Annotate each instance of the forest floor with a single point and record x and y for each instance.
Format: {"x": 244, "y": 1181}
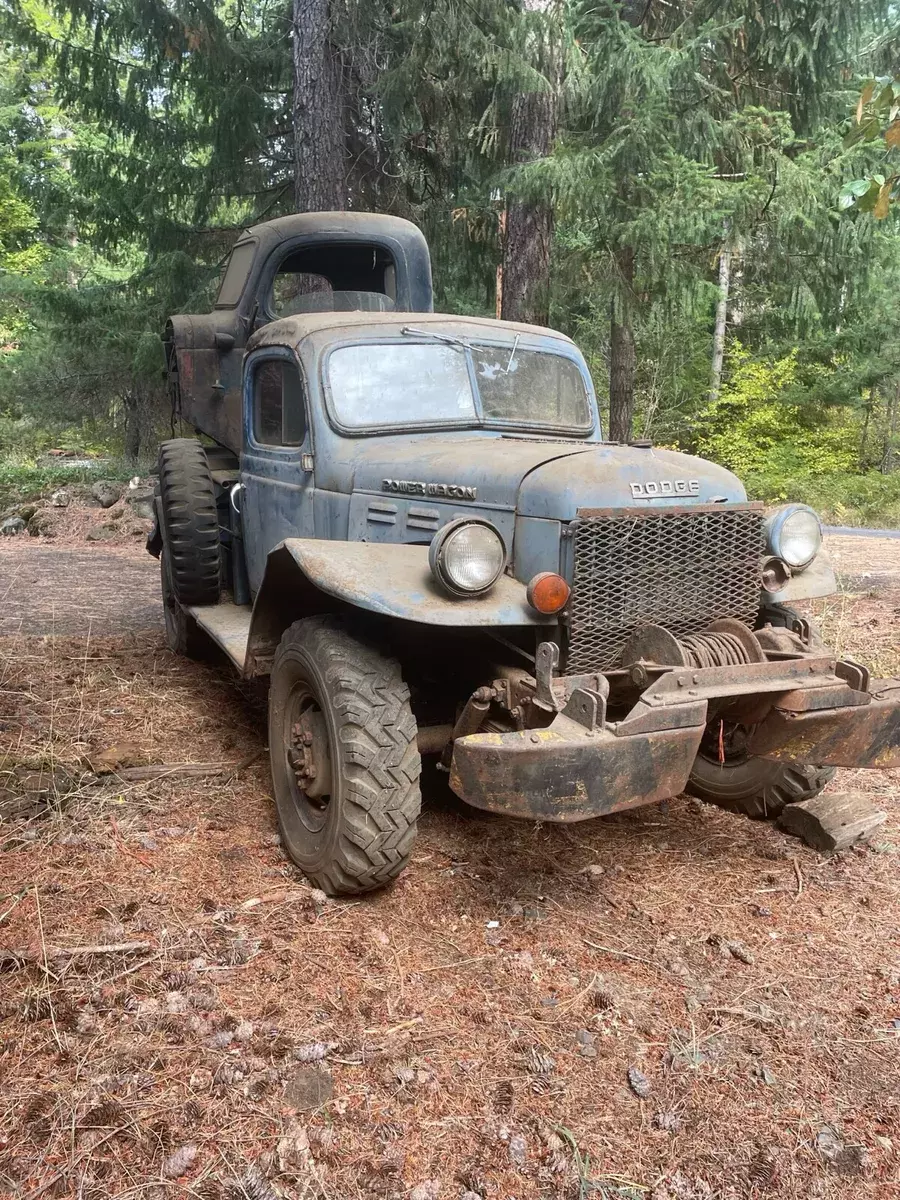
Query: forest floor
{"x": 671, "y": 1003}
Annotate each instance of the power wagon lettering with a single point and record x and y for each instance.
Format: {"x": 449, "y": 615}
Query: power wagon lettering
{"x": 655, "y": 490}
{"x": 415, "y": 487}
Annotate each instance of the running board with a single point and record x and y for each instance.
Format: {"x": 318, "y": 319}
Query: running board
{"x": 228, "y": 625}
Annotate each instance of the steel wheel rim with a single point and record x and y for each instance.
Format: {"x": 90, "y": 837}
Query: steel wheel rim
{"x": 301, "y": 709}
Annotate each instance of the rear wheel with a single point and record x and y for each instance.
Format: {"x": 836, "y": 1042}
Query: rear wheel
{"x": 190, "y": 522}
{"x": 724, "y": 773}
{"x": 345, "y": 763}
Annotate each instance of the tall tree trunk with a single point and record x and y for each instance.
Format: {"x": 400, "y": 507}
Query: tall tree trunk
{"x": 525, "y": 272}
{"x": 621, "y": 353}
{"x": 131, "y": 402}
{"x": 718, "y": 353}
{"x": 318, "y": 111}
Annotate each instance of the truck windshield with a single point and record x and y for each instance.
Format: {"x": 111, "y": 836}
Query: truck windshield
{"x": 390, "y": 385}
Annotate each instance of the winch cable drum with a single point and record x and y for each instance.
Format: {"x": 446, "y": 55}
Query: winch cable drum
{"x": 725, "y": 643}
{"x": 715, "y": 650}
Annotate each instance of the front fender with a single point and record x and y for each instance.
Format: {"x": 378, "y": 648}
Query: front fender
{"x": 396, "y": 581}
{"x": 817, "y": 580}
{"x": 304, "y": 576}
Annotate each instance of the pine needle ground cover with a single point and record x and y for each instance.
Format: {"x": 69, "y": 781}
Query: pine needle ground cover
{"x": 668, "y": 1003}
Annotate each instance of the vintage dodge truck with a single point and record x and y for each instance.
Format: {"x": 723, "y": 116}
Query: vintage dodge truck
{"x": 412, "y": 524}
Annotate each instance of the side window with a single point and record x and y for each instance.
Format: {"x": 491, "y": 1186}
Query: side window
{"x": 235, "y": 275}
{"x": 279, "y": 413}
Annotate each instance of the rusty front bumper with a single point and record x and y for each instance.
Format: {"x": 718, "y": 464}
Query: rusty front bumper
{"x": 580, "y": 766}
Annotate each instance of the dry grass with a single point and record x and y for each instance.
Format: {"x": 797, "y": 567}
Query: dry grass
{"x": 476, "y": 1023}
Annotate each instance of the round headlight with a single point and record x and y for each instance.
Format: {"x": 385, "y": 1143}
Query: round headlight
{"x": 795, "y": 534}
{"x": 467, "y": 557}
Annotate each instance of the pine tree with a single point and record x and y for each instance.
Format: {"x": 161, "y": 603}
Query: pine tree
{"x": 680, "y": 108}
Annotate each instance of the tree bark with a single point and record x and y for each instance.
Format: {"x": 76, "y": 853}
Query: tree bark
{"x": 318, "y": 111}
{"x": 621, "y": 354}
{"x": 718, "y": 353}
{"x": 525, "y": 271}
{"x": 131, "y": 402}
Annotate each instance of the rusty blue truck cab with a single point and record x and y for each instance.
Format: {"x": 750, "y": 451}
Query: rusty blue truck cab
{"x": 425, "y": 542}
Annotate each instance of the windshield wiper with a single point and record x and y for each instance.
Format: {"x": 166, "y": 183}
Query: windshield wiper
{"x": 412, "y": 331}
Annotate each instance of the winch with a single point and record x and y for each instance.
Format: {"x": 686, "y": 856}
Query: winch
{"x": 724, "y": 643}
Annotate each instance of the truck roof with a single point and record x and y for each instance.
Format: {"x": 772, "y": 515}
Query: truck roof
{"x": 292, "y": 330}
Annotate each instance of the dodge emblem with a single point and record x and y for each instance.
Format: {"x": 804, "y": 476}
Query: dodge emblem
{"x": 655, "y": 489}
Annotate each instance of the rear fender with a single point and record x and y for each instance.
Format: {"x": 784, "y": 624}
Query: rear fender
{"x": 304, "y": 576}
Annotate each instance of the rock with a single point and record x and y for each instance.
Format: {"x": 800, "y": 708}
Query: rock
{"x": 61, "y": 499}
{"x": 831, "y": 1148}
{"x": 430, "y": 1189}
{"x": 107, "y": 493}
{"x": 35, "y": 792}
{"x": 638, "y": 1083}
{"x": 114, "y": 758}
{"x": 40, "y": 525}
{"x": 180, "y": 1162}
{"x": 518, "y": 1149}
{"x": 12, "y": 526}
{"x": 585, "y": 1040}
{"x": 140, "y": 501}
{"x": 832, "y": 821}
{"x": 308, "y": 1087}
{"x": 101, "y": 533}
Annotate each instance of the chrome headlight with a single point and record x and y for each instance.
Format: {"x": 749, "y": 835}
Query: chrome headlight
{"x": 467, "y": 557}
{"x": 794, "y": 533}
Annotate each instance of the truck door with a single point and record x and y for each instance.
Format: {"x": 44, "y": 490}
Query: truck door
{"x": 276, "y": 498}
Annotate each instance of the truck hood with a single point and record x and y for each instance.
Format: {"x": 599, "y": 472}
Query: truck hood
{"x": 541, "y": 478}
{"x": 611, "y": 476}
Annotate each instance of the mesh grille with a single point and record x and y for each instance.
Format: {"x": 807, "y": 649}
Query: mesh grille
{"x": 678, "y": 568}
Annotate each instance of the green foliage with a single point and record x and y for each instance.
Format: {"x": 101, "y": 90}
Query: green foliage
{"x": 755, "y": 427}
{"x": 866, "y": 500}
{"x": 22, "y": 481}
{"x": 137, "y": 137}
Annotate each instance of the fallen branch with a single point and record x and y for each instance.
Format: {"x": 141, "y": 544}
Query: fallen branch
{"x": 164, "y": 770}
{"x": 14, "y": 960}
{"x": 624, "y": 954}
{"x": 109, "y": 948}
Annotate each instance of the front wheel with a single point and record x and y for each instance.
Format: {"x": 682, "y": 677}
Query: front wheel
{"x": 345, "y": 762}
{"x": 726, "y": 775}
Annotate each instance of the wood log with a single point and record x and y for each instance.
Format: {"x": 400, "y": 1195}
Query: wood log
{"x": 833, "y": 821}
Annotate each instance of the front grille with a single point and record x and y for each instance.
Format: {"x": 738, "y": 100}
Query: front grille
{"x": 677, "y": 567}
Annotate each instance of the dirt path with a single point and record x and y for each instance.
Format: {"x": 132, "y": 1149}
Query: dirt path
{"x": 672, "y": 1003}
{"x": 76, "y": 590}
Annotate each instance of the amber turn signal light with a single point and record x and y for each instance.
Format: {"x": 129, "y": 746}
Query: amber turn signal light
{"x": 548, "y": 592}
